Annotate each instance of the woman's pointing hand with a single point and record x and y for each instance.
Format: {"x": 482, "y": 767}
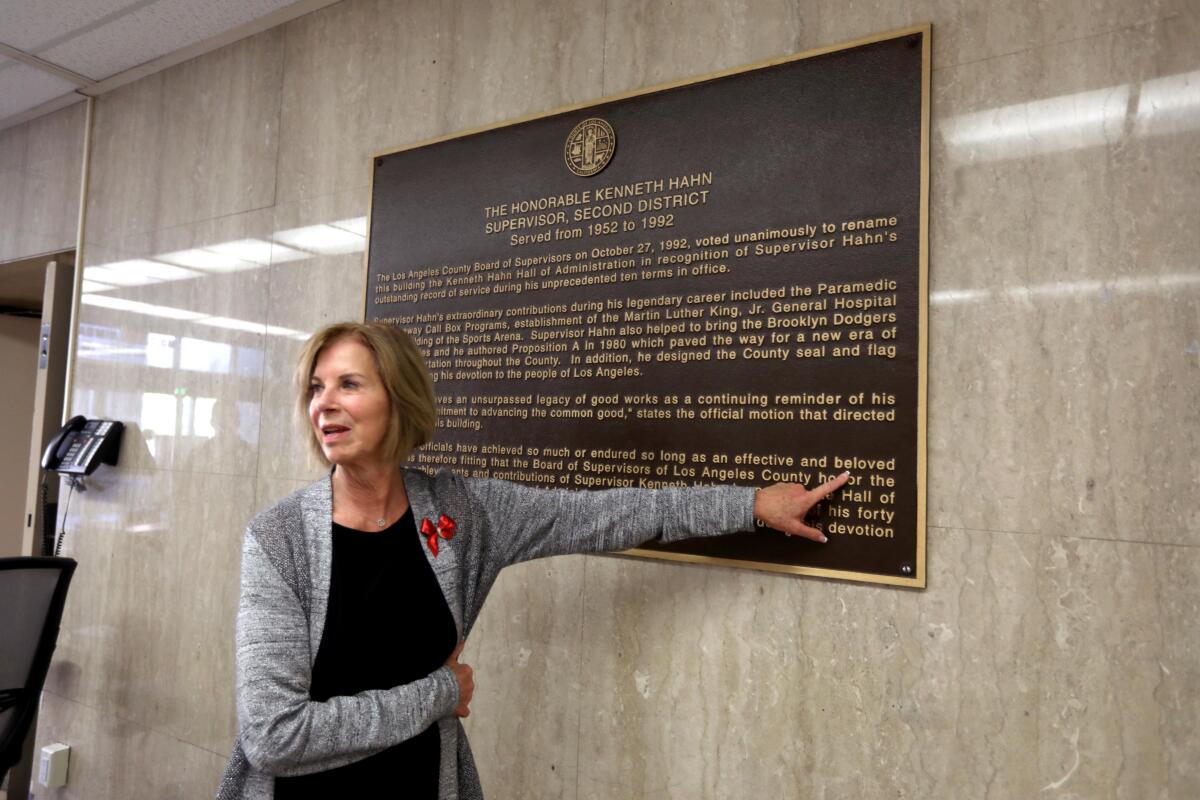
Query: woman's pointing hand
{"x": 783, "y": 506}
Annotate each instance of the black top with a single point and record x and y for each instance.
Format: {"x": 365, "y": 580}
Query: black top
{"x": 387, "y": 624}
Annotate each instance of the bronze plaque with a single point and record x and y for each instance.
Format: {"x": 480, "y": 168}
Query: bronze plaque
{"x": 716, "y": 281}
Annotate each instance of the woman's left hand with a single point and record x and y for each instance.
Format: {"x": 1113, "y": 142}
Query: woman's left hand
{"x": 783, "y": 506}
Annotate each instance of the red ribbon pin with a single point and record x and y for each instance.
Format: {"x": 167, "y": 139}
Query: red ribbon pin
{"x": 445, "y": 528}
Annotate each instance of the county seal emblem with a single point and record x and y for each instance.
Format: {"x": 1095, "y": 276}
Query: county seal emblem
{"x": 590, "y": 147}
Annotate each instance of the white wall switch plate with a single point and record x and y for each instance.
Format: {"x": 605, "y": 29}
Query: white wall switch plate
{"x": 53, "y": 771}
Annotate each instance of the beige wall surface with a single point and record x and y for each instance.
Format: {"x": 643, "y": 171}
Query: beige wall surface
{"x": 40, "y": 166}
{"x": 1055, "y": 652}
{"x": 18, "y": 365}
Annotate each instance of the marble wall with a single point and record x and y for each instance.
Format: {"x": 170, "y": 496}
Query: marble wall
{"x": 1055, "y": 652}
{"x": 41, "y": 163}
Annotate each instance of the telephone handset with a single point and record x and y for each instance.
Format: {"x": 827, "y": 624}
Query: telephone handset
{"x": 82, "y": 445}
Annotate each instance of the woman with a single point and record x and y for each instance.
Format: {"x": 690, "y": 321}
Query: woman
{"x": 350, "y": 626}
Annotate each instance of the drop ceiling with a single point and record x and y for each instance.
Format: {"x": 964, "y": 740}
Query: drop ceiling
{"x": 57, "y": 52}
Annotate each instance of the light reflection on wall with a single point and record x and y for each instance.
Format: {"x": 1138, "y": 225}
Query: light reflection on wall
{"x": 248, "y": 421}
{"x": 239, "y": 255}
{"x": 157, "y": 418}
{"x": 136, "y": 272}
{"x": 250, "y": 361}
{"x": 176, "y": 416}
{"x": 89, "y": 349}
{"x": 107, "y": 343}
{"x": 335, "y": 238}
{"x": 1069, "y": 122}
{"x": 1166, "y": 105}
{"x": 197, "y": 417}
{"x": 205, "y": 356}
{"x": 1170, "y": 104}
{"x": 222, "y": 258}
{"x": 160, "y": 350}
{"x": 138, "y": 307}
{"x": 1078, "y": 290}
{"x": 166, "y": 351}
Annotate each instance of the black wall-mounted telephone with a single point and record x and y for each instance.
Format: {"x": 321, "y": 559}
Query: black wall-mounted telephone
{"x": 82, "y": 445}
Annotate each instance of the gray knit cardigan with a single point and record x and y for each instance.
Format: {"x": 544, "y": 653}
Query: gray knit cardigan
{"x": 286, "y": 560}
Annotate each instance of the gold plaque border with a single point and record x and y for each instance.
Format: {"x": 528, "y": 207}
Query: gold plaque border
{"x": 918, "y": 581}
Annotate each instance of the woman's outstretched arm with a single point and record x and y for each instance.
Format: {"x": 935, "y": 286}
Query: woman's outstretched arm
{"x": 528, "y": 523}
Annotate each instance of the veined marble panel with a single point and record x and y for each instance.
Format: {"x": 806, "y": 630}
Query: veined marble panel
{"x": 194, "y": 142}
{"x": 525, "y": 717}
{"x": 1118, "y": 674}
{"x": 284, "y": 454}
{"x": 988, "y": 465}
{"x": 42, "y": 214}
{"x": 113, "y": 757}
{"x": 58, "y": 134}
{"x": 1065, "y": 302}
{"x": 14, "y": 146}
{"x": 41, "y": 165}
{"x": 270, "y": 491}
{"x": 709, "y": 683}
{"x": 223, "y": 713}
{"x": 975, "y": 31}
{"x": 1122, "y": 453}
{"x": 651, "y": 43}
{"x": 53, "y": 136}
{"x": 172, "y": 341}
{"x": 317, "y": 277}
{"x": 13, "y": 181}
{"x": 367, "y": 76}
{"x": 1056, "y": 164}
{"x": 147, "y": 633}
{"x": 1173, "y": 571}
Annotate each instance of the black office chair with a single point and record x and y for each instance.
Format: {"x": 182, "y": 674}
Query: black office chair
{"x": 33, "y": 591}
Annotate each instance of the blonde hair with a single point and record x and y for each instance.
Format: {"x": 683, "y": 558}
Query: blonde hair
{"x": 413, "y": 410}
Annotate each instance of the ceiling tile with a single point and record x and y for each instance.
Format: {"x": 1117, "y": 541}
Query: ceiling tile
{"x": 153, "y": 30}
{"x": 32, "y": 25}
{"x": 22, "y": 87}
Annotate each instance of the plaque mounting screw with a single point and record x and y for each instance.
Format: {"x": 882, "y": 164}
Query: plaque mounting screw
{"x": 906, "y": 569}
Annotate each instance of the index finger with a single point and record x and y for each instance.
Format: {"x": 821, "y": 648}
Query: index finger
{"x": 457, "y": 650}
{"x": 829, "y": 487}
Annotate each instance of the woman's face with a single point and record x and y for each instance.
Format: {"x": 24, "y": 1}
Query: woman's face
{"x": 348, "y": 405}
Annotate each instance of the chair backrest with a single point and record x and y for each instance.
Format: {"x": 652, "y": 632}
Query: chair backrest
{"x": 33, "y": 590}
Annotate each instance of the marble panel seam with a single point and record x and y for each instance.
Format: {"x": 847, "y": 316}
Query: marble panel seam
{"x": 302, "y": 198}
{"x": 262, "y": 393}
{"x": 582, "y": 644}
{"x": 603, "y": 91}
{"x": 1083, "y": 537}
{"x": 108, "y": 714}
{"x": 283, "y": 52}
{"x": 157, "y": 470}
{"x": 953, "y": 528}
{"x": 1059, "y": 43}
{"x": 262, "y": 374}
{"x": 127, "y": 235}
{"x": 5, "y": 259}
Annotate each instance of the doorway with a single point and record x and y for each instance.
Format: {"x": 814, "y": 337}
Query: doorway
{"x": 35, "y": 312}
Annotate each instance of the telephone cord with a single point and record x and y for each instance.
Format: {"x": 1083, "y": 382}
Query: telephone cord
{"x": 47, "y": 539}
{"x": 62, "y": 533}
